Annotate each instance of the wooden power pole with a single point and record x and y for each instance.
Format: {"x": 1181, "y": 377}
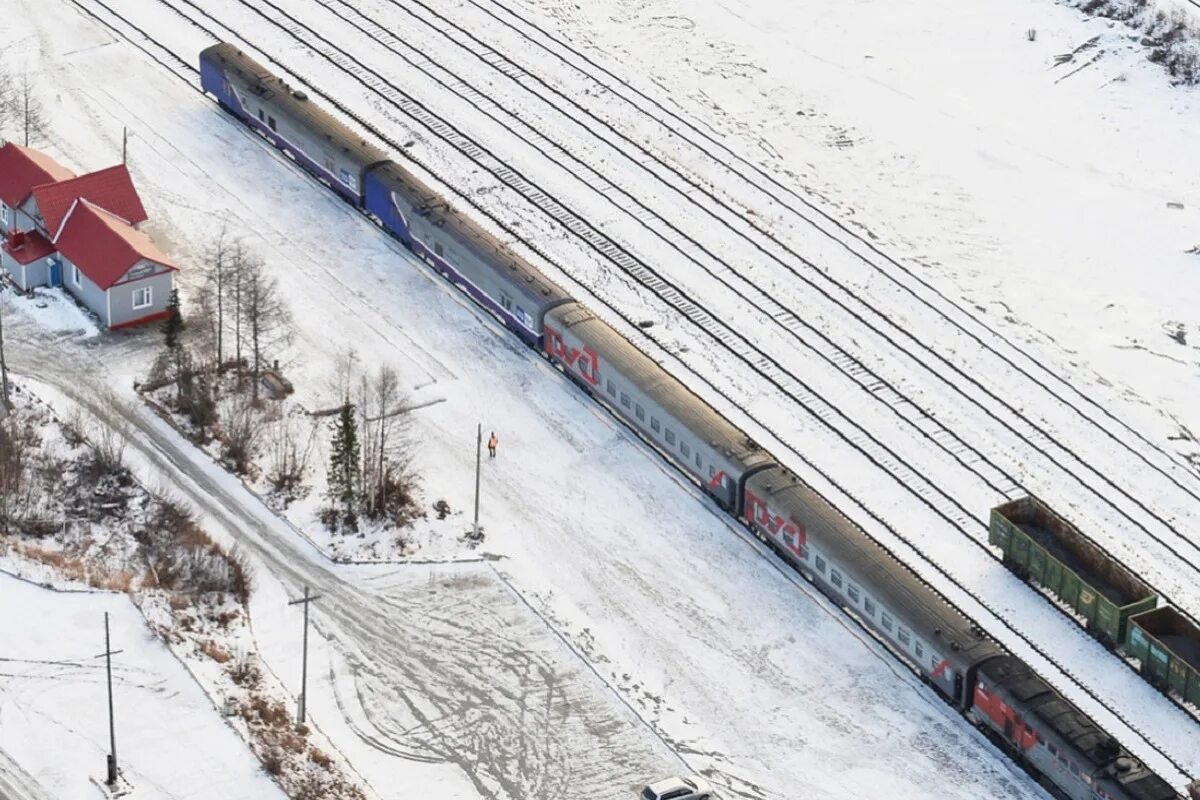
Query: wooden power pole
{"x": 112, "y": 730}
{"x": 308, "y": 598}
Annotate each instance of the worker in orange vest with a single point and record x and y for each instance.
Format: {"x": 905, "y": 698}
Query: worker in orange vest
{"x": 492, "y": 442}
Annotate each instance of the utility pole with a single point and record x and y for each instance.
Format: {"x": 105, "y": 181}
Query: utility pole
{"x": 4, "y": 372}
{"x": 112, "y": 731}
{"x": 308, "y": 598}
{"x": 478, "y": 467}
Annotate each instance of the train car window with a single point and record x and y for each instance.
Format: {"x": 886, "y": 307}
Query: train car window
{"x": 1074, "y": 768}
{"x": 654, "y": 426}
{"x": 670, "y": 436}
{"x": 712, "y": 472}
{"x": 700, "y": 464}
{"x": 437, "y": 248}
{"x": 505, "y": 301}
{"x": 329, "y": 163}
{"x": 902, "y": 635}
{"x": 820, "y": 565}
{"x": 1053, "y": 750}
{"x": 852, "y": 592}
{"x": 835, "y": 578}
{"x": 641, "y": 412}
{"x": 624, "y": 399}
{"x": 868, "y": 606}
{"x": 261, "y": 118}
{"x": 612, "y": 389}
{"x": 918, "y": 650}
{"x": 1062, "y": 759}
{"x": 886, "y": 620}
{"x": 687, "y": 451}
{"x": 271, "y": 122}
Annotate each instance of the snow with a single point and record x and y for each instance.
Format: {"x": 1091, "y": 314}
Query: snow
{"x": 1037, "y": 201}
{"x": 54, "y": 713}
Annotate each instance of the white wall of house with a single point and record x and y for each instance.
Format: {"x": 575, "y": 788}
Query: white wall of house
{"x": 29, "y": 218}
{"x": 86, "y": 292}
{"x": 143, "y": 291}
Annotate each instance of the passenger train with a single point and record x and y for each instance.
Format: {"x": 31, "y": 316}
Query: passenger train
{"x": 1054, "y": 740}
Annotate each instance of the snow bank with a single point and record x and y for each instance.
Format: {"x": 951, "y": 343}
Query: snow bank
{"x": 1169, "y": 28}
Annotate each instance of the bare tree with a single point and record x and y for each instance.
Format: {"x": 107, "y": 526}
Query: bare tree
{"x": 15, "y": 457}
{"x": 27, "y": 108}
{"x": 384, "y": 421}
{"x": 267, "y": 320}
{"x": 290, "y": 449}
{"x": 240, "y": 432}
{"x": 213, "y": 298}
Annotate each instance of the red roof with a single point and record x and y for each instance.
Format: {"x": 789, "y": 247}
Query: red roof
{"x": 21, "y": 169}
{"x": 25, "y": 248}
{"x": 111, "y": 189}
{"x": 102, "y": 245}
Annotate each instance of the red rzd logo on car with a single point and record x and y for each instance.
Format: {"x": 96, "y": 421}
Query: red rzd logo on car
{"x": 790, "y": 534}
{"x": 585, "y": 361}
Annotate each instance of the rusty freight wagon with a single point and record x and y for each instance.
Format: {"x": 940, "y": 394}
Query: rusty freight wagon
{"x": 1044, "y": 548}
{"x": 1168, "y": 645}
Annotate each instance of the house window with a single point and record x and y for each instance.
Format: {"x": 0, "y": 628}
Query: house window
{"x": 641, "y": 412}
{"x": 670, "y": 436}
{"x": 654, "y": 426}
{"x": 141, "y": 297}
{"x": 75, "y": 276}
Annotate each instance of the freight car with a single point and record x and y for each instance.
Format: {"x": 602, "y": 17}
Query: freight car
{"x": 1113, "y": 603}
{"x": 1022, "y": 714}
{"x": 1040, "y": 546}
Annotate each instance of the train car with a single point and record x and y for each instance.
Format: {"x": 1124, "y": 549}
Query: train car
{"x": 283, "y": 116}
{"x": 459, "y": 249}
{"x": 999, "y": 692}
{"x": 1071, "y": 753}
{"x": 942, "y": 645}
{"x": 717, "y": 455}
{"x": 1168, "y": 645}
{"x": 1044, "y": 548}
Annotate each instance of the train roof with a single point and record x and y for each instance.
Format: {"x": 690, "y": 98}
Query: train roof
{"x": 442, "y": 214}
{"x": 891, "y": 583}
{"x": 1107, "y": 758}
{"x": 659, "y": 387}
{"x": 272, "y": 89}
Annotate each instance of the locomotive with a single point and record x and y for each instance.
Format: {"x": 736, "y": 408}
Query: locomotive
{"x": 1054, "y": 740}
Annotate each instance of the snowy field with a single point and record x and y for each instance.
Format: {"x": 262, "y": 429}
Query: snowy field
{"x": 1038, "y": 203}
{"x": 54, "y": 713}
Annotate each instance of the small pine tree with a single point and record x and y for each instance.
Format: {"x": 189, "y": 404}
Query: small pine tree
{"x": 344, "y": 478}
{"x": 173, "y": 324}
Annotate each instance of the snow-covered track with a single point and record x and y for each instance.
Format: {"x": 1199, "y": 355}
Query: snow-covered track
{"x": 958, "y": 592}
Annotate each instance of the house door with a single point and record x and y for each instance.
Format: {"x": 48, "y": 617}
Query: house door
{"x": 55, "y": 273}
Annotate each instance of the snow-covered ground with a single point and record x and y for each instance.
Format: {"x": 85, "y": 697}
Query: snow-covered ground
{"x": 915, "y": 125}
{"x": 576, "y": 662}
{"x": 54, "y": 711}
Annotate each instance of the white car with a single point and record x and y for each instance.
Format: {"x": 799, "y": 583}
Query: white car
{"x": 678, "y": 789}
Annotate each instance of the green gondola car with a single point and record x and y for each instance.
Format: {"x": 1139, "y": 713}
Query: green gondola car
{"x": 1168, "y": 645}
{"x": 1045, "y": 549}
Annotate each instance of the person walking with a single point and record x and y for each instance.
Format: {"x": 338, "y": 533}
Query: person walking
{"x": 492, "y": 442}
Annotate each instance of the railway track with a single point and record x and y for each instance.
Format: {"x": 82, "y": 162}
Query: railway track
{"x": 939, "y": 435}
{"x": 901, "y": 405}
{"x": 582, "y": 229}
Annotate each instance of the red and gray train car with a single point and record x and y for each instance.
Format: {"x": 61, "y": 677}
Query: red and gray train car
{"x": 1056, "y": 741}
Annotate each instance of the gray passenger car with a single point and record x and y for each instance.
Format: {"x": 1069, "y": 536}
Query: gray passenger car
{"x": 914, "y": 620}
{"x": 663, "y": 410}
